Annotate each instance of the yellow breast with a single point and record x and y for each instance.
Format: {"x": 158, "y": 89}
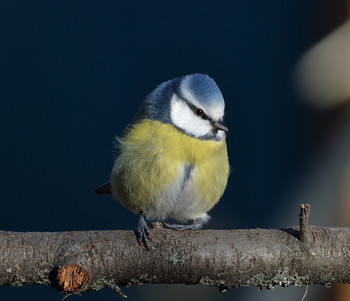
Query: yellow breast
{"x": 151, "y": 155}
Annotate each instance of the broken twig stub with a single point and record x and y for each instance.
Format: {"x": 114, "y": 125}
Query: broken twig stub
{"x": 305, "y": 233}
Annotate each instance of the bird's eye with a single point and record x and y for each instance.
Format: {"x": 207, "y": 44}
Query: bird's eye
{"x": 199, "y": 112}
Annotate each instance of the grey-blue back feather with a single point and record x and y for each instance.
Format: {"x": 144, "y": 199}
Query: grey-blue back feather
{"x": 156, "y": 105}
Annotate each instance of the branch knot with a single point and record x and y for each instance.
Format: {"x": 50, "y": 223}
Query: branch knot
{"x": 72, "y": 277}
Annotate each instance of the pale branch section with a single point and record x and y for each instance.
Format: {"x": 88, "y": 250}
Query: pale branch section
{"x": 91, "y": 260}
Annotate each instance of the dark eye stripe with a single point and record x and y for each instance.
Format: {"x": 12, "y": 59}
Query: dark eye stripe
{"x": 199, "y": 112}
{"x": 194, "y": 108}
{"x": 204, "y": 116}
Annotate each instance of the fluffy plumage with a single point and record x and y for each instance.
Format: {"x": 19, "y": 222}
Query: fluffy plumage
{"x": 167, "y": 174}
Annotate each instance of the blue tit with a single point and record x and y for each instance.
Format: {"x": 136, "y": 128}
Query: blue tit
{"x": 172, "y": 160}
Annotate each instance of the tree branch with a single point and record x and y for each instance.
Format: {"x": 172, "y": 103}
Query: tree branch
{"x": 90, "y": 260}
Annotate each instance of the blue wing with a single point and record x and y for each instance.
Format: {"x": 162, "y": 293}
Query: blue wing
{"x": 104, "y": 189}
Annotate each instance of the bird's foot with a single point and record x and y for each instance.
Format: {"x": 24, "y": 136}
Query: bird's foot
{"x": 194, "y": 226}
{"x": 143, "y": 232}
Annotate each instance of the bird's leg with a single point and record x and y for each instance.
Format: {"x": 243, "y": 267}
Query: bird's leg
{"x": 142, "y": 232}
{"x": 196, "y": 225}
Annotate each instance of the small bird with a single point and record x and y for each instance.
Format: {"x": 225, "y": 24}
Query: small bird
{"x": 172, "y": 161}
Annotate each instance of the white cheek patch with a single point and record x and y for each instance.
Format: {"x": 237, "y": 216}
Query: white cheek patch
{"x": 184, "y": 118}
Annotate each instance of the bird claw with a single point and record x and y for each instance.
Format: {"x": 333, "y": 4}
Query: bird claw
{"x": 143, "y": 233}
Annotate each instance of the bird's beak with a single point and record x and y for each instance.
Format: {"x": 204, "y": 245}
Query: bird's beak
{"x": 221, "y": 125}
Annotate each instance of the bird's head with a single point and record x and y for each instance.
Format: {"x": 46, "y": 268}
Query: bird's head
{"x": 192, "y": 103}
{"x": 197, "y": 107}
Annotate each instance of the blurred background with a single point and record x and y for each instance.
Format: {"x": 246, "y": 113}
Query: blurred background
{"x": 73, "y": 73}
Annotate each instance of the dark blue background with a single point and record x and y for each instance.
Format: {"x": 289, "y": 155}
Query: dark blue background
{"x": 74, "y": 72}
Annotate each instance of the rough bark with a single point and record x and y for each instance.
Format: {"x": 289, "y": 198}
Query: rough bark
{"x": 90, "y": 260}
